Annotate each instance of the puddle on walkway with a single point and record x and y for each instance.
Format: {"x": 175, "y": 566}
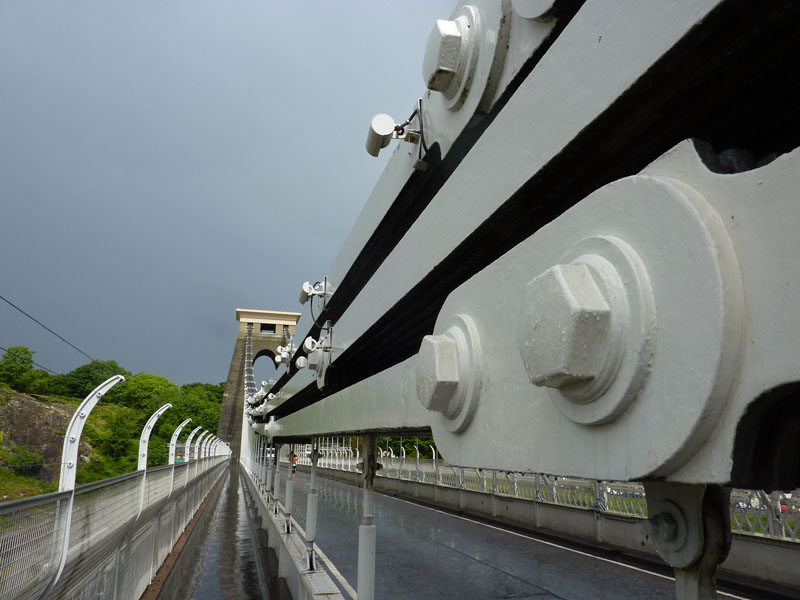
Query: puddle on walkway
{"x": 226, "y": 567}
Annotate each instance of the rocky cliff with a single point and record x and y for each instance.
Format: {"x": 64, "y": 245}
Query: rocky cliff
{"x": 38, "y": 425}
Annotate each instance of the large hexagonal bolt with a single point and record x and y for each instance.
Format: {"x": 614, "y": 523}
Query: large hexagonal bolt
{"x": 444, "y": 60}
{"x": 566, "y": 327}
{"x": 437, "y": 372}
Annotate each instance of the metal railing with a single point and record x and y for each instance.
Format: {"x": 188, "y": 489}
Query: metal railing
{"x": 114, "y": 548}
{"x": 753, "y": 512}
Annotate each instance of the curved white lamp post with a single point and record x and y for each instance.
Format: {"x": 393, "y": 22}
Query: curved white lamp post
{"x": 69, "y": 464}
{"x": 145, "y": 437}
{"x": 173, "y": 442}
{"x": 188, "y": 445}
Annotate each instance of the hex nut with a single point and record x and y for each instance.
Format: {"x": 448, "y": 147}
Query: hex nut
{"x": 661, "y": 527}
{"x": 565, "y": 334}
{"x": 442, "y": 56}
{"x": 437, "y": 372}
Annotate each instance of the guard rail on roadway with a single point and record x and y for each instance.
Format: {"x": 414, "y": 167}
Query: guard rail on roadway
{"x": 766, "y": 536}
{"x": 754, "y": 512}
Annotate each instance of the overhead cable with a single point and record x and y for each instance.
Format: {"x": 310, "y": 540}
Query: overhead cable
{"x": 35, "y": 363}
{"x": 47, "y": 328}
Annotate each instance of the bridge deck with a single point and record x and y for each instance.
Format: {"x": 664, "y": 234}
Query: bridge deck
{"x": 426, "y": 553}
{"x": 221, "y": 560}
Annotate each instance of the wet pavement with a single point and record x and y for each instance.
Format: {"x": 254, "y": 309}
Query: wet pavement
{"x": 424, "y": 553}
{"x": 225, "y": 566}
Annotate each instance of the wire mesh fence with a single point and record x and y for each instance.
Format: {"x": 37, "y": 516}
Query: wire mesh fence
{"x": 31, "y": 535}
{"x": 120, "y": 532}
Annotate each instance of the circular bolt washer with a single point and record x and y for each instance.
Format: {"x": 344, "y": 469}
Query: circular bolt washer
{"x": 680, "y": 541}
{"x": 591, "y": 334}
{"x": 449, "y": 373}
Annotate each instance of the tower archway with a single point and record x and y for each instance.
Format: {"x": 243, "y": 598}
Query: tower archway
{"x": 264, "y": 366}
{"x": 269, "y": 329}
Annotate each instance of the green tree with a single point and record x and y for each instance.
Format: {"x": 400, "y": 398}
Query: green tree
{"x": 79, "y": 382}
{"x": 15, "y": 364}
{"x": 148, "y": 392}
{"x": 208, "y": 391}
{"x": 34, "y": 381}
{"x": 121, "y": 440}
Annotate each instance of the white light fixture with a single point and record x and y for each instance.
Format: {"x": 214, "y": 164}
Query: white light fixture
{"x": 383, "y": 129}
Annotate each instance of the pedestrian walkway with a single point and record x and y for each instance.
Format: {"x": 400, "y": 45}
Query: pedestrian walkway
{"x": 226, "y": 566}
{"x": 424, "y": 553}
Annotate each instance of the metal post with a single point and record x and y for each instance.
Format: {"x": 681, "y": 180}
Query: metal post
{"x": 436, "y": 479}
{"x": 197, "y": 493}
{"x": 366, "y": 531}
{"x": 207, "y": 445}
{"x": 203, "y": 447}
{"x": 69, "y": 465}
{"x": 277, "y": 480}
{"x": 698, "y": 517}
{"x": 416, "y": 474}
{"x": 773, "y": 522}
{"x": 187, "y": 451}
{"x": 600, "y": 496}
{"x": 264, "y": 464}
{"x": 288, "y": 505}
{"x": 173, "y": 442}
{"x": 197, "y": 451}
{"x": 311, "y": 509}
{"x": 211, "y": 446}
{"x": 145, "y": 437}
{"x": 142, "y": 466}
{"x": 269, "y": 472}
{"x": 256, "y": 461}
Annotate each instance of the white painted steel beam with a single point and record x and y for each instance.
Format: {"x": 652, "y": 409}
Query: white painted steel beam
{"x": 575, "y": 82}
{"x": 720, "y": 332}
{"x": 669, "y": 263}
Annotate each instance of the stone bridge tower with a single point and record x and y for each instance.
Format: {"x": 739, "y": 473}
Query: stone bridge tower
{"x": 270, "y": 330}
